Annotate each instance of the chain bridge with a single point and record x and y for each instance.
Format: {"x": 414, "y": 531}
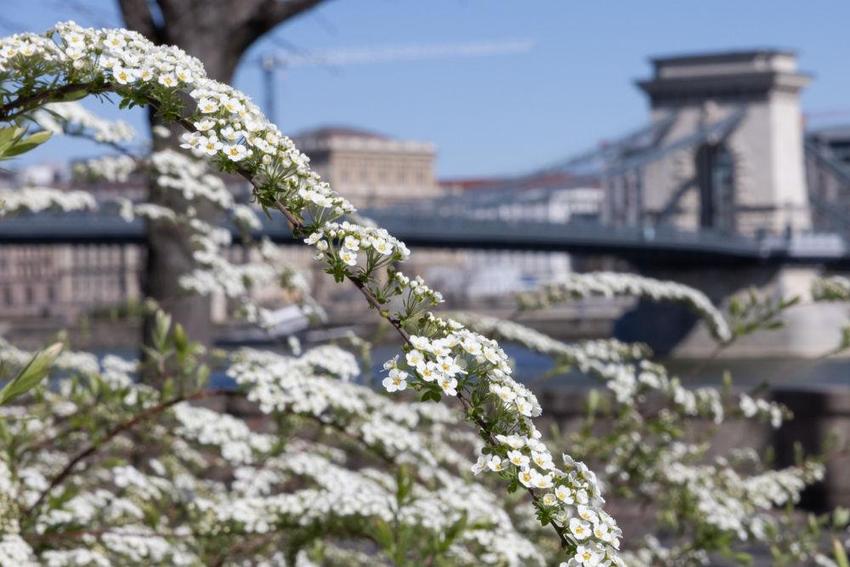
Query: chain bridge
{"x": 722, "y": 189}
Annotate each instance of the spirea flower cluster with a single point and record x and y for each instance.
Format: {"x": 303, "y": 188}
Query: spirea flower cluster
{"x": 441, "y": 358}
{"x": 38, "y": 199}
{"x": 229, "y": 129}
{"x": 643, "y": 451}
{"x": 831, "y": 288}
{"x": 611, "y": 284}
{"x": 455, "y": 358}
{"x": 71, "y": 118}
{"x": 350, "y": 243}
{"x": 176, "y": 507}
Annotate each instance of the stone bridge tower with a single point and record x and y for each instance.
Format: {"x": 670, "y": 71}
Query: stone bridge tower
{"x": 726, "y": 154}
{"x": 734, "y": 159}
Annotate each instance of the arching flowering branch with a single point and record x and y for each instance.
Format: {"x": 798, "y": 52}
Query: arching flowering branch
{"x": 645, "y": 444}
{"x": 216, "y": 484}
{"x": 191, "y": 186}
{"x": 627, "y": 370}
{"x": 611, "y": 284}
{"x": 37, "y": 199}
{"x": 72, "y": 119}
{"x": 441, "y": 356}
{"x": 831, "y": 288}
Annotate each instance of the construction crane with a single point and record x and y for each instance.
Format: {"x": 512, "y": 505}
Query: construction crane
{"x": 272, "y": 62}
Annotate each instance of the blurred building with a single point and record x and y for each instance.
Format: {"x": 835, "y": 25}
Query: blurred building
{"x": 556, "y": 198}
{"x": 371, "y": 169}
{"x": 42, "y": 174}
{"x": 63, "y": 282}
{"x": 482, "y": 276}
{"x": 725, "y": 148}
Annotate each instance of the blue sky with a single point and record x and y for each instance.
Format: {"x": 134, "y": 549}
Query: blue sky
{"x": 512, "y": 112}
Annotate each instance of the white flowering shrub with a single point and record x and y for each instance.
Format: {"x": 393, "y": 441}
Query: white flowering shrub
{"x": 192, "y": 187}
{"x": 100, "y": 468}
{"x": 609, "y": 284}
{"x": 832, "y": 288}
{"x": 36, "y": 199}
{"x": 651, "y": 438}
{"x": 335, "y": 463}
{"x": 441, "y": 357}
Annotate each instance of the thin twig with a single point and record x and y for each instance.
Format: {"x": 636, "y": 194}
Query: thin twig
{"x": 297, "y": 226}
{"x": 40, "y": 98}
{"x": 95, "y": 446}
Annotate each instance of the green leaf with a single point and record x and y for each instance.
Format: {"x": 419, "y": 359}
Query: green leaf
{"x": 453, "y": 532}
{"x": 404, "y": 485}
{"x": 202, "y": 375}
{"x": 26, "y": 144}
{"x": 168, "y": 389}
{"x": 32, "y": 374}
{"x": 181, "y": 341}
{"x": 74, "y": 95}
{"x": 7, "y": 137}
{"x": 431, "y": 395}
{"x": 593, "y": 399}
{"x": 383, "y": 534}
{"x": 735, "y": 307}
{"x": 840, "y": 517}
{"x": 162, "y": 323}
{"x": 840, "y": 553}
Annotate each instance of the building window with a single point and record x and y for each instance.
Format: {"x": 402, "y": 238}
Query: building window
{"x": 716, "y": 180}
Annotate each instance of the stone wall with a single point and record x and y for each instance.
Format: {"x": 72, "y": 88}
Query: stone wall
{"x": 821, "y": 425}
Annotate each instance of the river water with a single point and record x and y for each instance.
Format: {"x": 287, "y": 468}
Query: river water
{"x": 533, "y": 368}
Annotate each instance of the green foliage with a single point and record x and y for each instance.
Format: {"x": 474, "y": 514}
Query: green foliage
{"x": 14, "y": 141}
{"x": 172, "y": 356}
{"x": 749, "y": 313}
{"x": 832, "y": 288}
{"x": 840, "y": 553}
{"x": 30, "y": 375}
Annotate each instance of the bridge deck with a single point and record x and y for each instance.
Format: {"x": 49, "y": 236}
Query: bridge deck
{"x": 658, "y": 246}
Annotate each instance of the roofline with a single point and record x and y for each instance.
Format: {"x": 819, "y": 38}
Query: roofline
{"x": 718, "y": 56}
{"x": 758, "y": 82}
{"x": 341, "y": 130}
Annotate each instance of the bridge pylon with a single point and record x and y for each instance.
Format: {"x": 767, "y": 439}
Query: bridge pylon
{"x": 732, "y": 158}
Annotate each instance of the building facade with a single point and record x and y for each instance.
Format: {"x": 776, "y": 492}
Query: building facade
{"x": 368, "y": 168}
{"x": 746, "y": 174}
{"x": 64, "y": 282}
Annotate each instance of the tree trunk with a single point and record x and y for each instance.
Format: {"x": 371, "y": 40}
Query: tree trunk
{"x": 169, "y": 257}
{"x": 218, "y": 32}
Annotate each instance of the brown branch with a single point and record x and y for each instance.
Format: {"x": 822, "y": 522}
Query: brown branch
{"x": 297, "y": 226}
{"x": 137, "y": 16}
{"x": 486, "y": 431}
{"x": 278, "y": 11}
{"x": 125, "y": 426}
{"x": 490, "y": 438}
{"x": 37, "y": 99}
{"x": 246, "y": 546}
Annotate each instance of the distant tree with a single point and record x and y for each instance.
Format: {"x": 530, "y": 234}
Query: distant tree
{"x": 218, "y": 32}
